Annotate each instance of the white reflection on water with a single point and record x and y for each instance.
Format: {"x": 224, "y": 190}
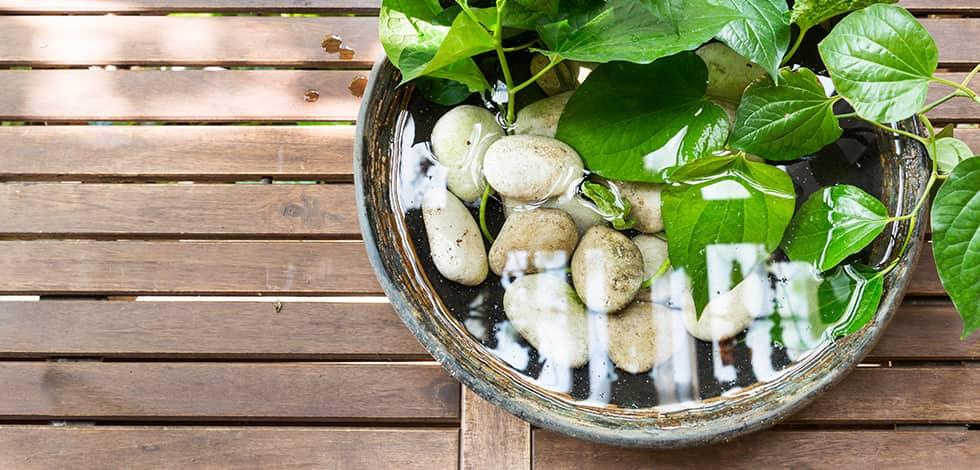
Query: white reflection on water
{"x": 418, "y": 171}
{"x": 509, "y": 348}
{"x": 601, "y": 373}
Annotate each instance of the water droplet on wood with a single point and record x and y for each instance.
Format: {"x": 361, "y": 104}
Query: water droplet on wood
{"x": 331, "y": 44}
{"x": 347, "y": 53}
{"x": 357, "y": 85}
{"x": 311, "y": 96}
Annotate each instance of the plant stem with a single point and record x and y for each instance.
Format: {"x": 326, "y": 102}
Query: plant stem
{"x": 796, "y": 46}
{"x": 521, "y": 47}
{"x": 498, "y": 39}
{"x": 934, "y": 105}
{"x": 483, "y": 214}
{"x": 660, "y": 272}
{"x": 969, "y": 77}
{"x": 554, "y": 61}
{"x": 959, "y": 86}
{"x": 845, "y": 116}
{"x": 913, "y": 216}
{"x": 900, "y": 132}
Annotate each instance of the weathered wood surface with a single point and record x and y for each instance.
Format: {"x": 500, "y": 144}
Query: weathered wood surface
{"x": 789, "y": 449}
{"x": 201, "y": 6}
{"x": 196, "y": 41}
{"x": 186, "y": 96}
{"x": 176, "y": 153}
{"x": 151, "y": 391}
{"x": 172, "y": 267}
{"x": 151, "y": 447}
{"x": 306, "y": 211}
{"x": 923, "y": 330}
{"x": 216, "y": 267}
{"x": 263, "y": 41}
{"x": 491, "y": 438}
{"x": 334, "y": 330}
{"x": 231, "y": 95}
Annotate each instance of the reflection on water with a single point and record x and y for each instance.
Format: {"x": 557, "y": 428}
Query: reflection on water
{"x": 763, "y": 314}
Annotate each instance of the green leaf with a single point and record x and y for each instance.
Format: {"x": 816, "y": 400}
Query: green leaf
{"x": 544, "y": 6}
{"x": 724, "y": 202}
{"x": 612, "y": 207}
{"x": 956, "y": 240}
{"x": 947, "y": 131}
{"x": 881, "y": 60}
{"x": 442, "y": 91}
{"x": 950, "y": 152}
{"x": 834, "y": 223}
{"x": 848, "y": 298}
{"x": 786, "y": 121}
{"x": 421, "y": 41}
{"x": 625, "y": 129}
{"x": 633, "y": 31}
{"x": 762, "y": 35}
{"x": 809, "y": 13}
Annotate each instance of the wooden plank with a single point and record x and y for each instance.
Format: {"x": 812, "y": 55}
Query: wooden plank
{"x": 195, "y": 95}
{"x": 146, "y": 447}
{"x": 960, "y": 109}
{"x": 52, "y": 210}
{"x": 925, "y": 278}
{"x": 789, "y": 449}
{"x": 949, "y": 34}
{"x": 262, "y": 41}
{"x": 212, "y": 267}
{"x": 491, "y": 438}
{"x": 971, "y": 137}
{"x": 201, "y": 6}
{"x": 185, "y": 96}
{"x": 195, "y": 41}
{"x": 151, "y": 391}
{"x": 872, "y": 395}
{"x": 967, "y": 7}
{"x": 926, "y": 330}
{"x": 205, "y": 330}
{"x": 162, "y": 153}
{"x": 169, "y": 267}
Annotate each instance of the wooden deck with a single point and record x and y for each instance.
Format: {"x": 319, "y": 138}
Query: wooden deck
{"x": 130, "y": 175}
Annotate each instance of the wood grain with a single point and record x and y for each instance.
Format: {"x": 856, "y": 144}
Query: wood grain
{"x": 925, "y": 279}
{"x": 960, "y": 109}
{"x": 873, "y": 395}
{"x": 263, "y": 41}
{"x": 205, "y": 330}
{"x": 162, "y": 267}
{"x": 308, "y": 392}
{"x": 52, "y": 210}
{"x": 202, "y": 6}
{"x": 170, "y": 153}
{"x": 214, "y": 267}
{"x": 942, "y": 6}
{"x": 146, "y": 447}
{"x": 970, "y": 136}
{"x": 184, "y": 96}
{"x": 783, "y": 449}
{"x": 926, "y": 330}
{"x": 195, "y": 41}
{"x": 491, "y": 438}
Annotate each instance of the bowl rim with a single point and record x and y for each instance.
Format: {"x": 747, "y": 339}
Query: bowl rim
{"x": 723, "y": 428}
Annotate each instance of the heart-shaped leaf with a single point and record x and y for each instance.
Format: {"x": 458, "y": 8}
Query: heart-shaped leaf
{"x": 834, "y": 223}
{"x": 786, "y": 121}
{"x": 849, "y": 297}
{"x": 422, "y": 41}
{"x": 724, "y": 204}
{"x": 956, "y": 240}
{"x": 809, "y": 13}
{"x": 762, "y": 34}
{"x": 950, "y": 152}
{"x": 632, "y": 122}
{"x": 635, "y": 31}
{"x": 881, "y": 60}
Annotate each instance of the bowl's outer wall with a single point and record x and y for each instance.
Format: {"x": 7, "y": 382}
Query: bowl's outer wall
{"x": 376, "y": 152}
